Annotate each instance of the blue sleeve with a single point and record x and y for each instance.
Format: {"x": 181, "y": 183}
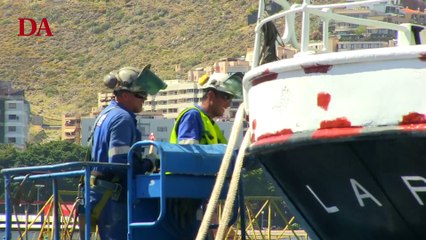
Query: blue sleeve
{"x": 190, "y": 126}
{"x": 122, "y": 136}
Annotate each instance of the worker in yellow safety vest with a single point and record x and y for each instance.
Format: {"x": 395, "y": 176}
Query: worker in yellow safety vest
{"x": 196, "y": 125}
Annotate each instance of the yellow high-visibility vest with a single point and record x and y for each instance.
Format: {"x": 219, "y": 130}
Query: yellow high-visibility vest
{"x": 211, "y": 134}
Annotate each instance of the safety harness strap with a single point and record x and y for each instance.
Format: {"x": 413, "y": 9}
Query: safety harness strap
{"x": 100, "y": 206}
{"x": 110, "y": 189}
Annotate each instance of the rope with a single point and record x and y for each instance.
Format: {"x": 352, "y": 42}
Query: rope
{"x": 233, "y": 188}
{"x": 217, "y": 189}
{"x": 16, "y": 200}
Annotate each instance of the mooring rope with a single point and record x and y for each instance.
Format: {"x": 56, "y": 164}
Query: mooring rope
{"x": 221, "y": 176}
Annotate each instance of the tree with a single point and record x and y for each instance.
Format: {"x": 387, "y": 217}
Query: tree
{"x": 41, "y": 154}
{"x": 257, "y": 183}
{"x": 50, "y": 153}
{"x": 7, "y": 155}
{"x": 360, "y": 30}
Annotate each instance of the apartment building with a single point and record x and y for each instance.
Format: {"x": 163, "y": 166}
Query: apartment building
{"x": 160, "y": 111}
{"x": 388, "y": 12}
{"x": 178, "y": 95}
{"x": 231, "y": 65}
{"x": 71, "y": 130}
{"x": 14, "y": 116}
{"x": 356, "y": 45}
{"x": 415, "y": 16}
{"x": 159, "y": 127}
{"x": 181, "y": 94}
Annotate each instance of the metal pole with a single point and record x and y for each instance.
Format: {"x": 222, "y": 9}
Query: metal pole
{"x": 7, "y": 207}
{"x": 56, "y": 207}
{"x": 87, "y": 203}
{"x": 38, "y": 187}
{"x": 242, "y": 209}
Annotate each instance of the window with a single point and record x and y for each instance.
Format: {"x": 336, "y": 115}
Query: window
{"x": 13, "y": 117}
{"x": 69, "y": 134}
{"x": 161, "y": 129}
{"x": 11, "y": 140}
{"x": 70, "y": 123}
{"x": 11, "y": 128}
{"x": 11, "y": 105}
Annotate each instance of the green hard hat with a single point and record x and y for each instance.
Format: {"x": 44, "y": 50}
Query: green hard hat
{"x": 222, "y": 82}
{"x": 134, "y": 80}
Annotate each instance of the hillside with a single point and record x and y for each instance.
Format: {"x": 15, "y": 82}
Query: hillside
{"x": 63, "y": 73}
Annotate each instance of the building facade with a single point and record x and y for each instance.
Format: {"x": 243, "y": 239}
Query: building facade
{"x": 14, "y": 116}
{"x": 160, "y": 111}
{"x": 161, "y": 128}
{"x": 71, "y": 130}
{"x": 178, "y": 95}
{"x": 181, "y": 94}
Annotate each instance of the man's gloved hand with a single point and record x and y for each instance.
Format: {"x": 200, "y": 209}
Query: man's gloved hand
{"x": 151, "y": 163}
{"x": 144, "y": 164}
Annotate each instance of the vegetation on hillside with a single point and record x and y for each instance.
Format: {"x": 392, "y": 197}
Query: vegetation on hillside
{"x": 63, "y": 73}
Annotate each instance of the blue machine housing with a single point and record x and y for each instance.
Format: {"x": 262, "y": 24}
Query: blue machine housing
{"x": 187, "y": 172}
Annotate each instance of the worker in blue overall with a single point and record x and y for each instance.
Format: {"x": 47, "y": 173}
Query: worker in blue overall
{"x": 115, "y": 131}
{"x": 196, "y": 125}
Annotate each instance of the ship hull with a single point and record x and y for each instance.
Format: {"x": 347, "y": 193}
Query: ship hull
{"x": 369, "y": 187}
{"x": 343, "y": 135}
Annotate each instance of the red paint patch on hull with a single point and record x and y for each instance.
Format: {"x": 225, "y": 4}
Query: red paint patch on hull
{"x": 280, "y": 136}
{"x": 413, "y": 118}
{"x": 422, "y": 57}
{"x": 317, "y": 68}
{"x": 339, "y": 127}
{"x": 264, "y": 77}
{"x": 336, "y": 123}
{"x": 323, "y": 100}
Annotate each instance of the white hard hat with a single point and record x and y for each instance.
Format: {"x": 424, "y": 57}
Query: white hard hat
{"x": 222, "y": 82}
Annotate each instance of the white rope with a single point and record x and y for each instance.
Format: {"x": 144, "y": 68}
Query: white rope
{"x": 221, "y": 176}
{"x": 233, "y": 188}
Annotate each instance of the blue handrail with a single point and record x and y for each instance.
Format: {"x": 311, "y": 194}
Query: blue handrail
{"x": 52, "y": 172}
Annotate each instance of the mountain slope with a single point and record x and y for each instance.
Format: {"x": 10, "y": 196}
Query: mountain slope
{"x": 63, "y": 73}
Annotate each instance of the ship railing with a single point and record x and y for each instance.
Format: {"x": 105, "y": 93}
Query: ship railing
{"x": 408, "y": 34}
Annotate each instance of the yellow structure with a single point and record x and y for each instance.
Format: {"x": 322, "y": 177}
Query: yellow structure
{"x": 266, "y": 218}
{"x": 71, "y": 129}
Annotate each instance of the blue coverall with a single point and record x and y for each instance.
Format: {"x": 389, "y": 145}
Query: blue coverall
{"x": 115, "y": 132}
{"x": 191, "y": 125}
